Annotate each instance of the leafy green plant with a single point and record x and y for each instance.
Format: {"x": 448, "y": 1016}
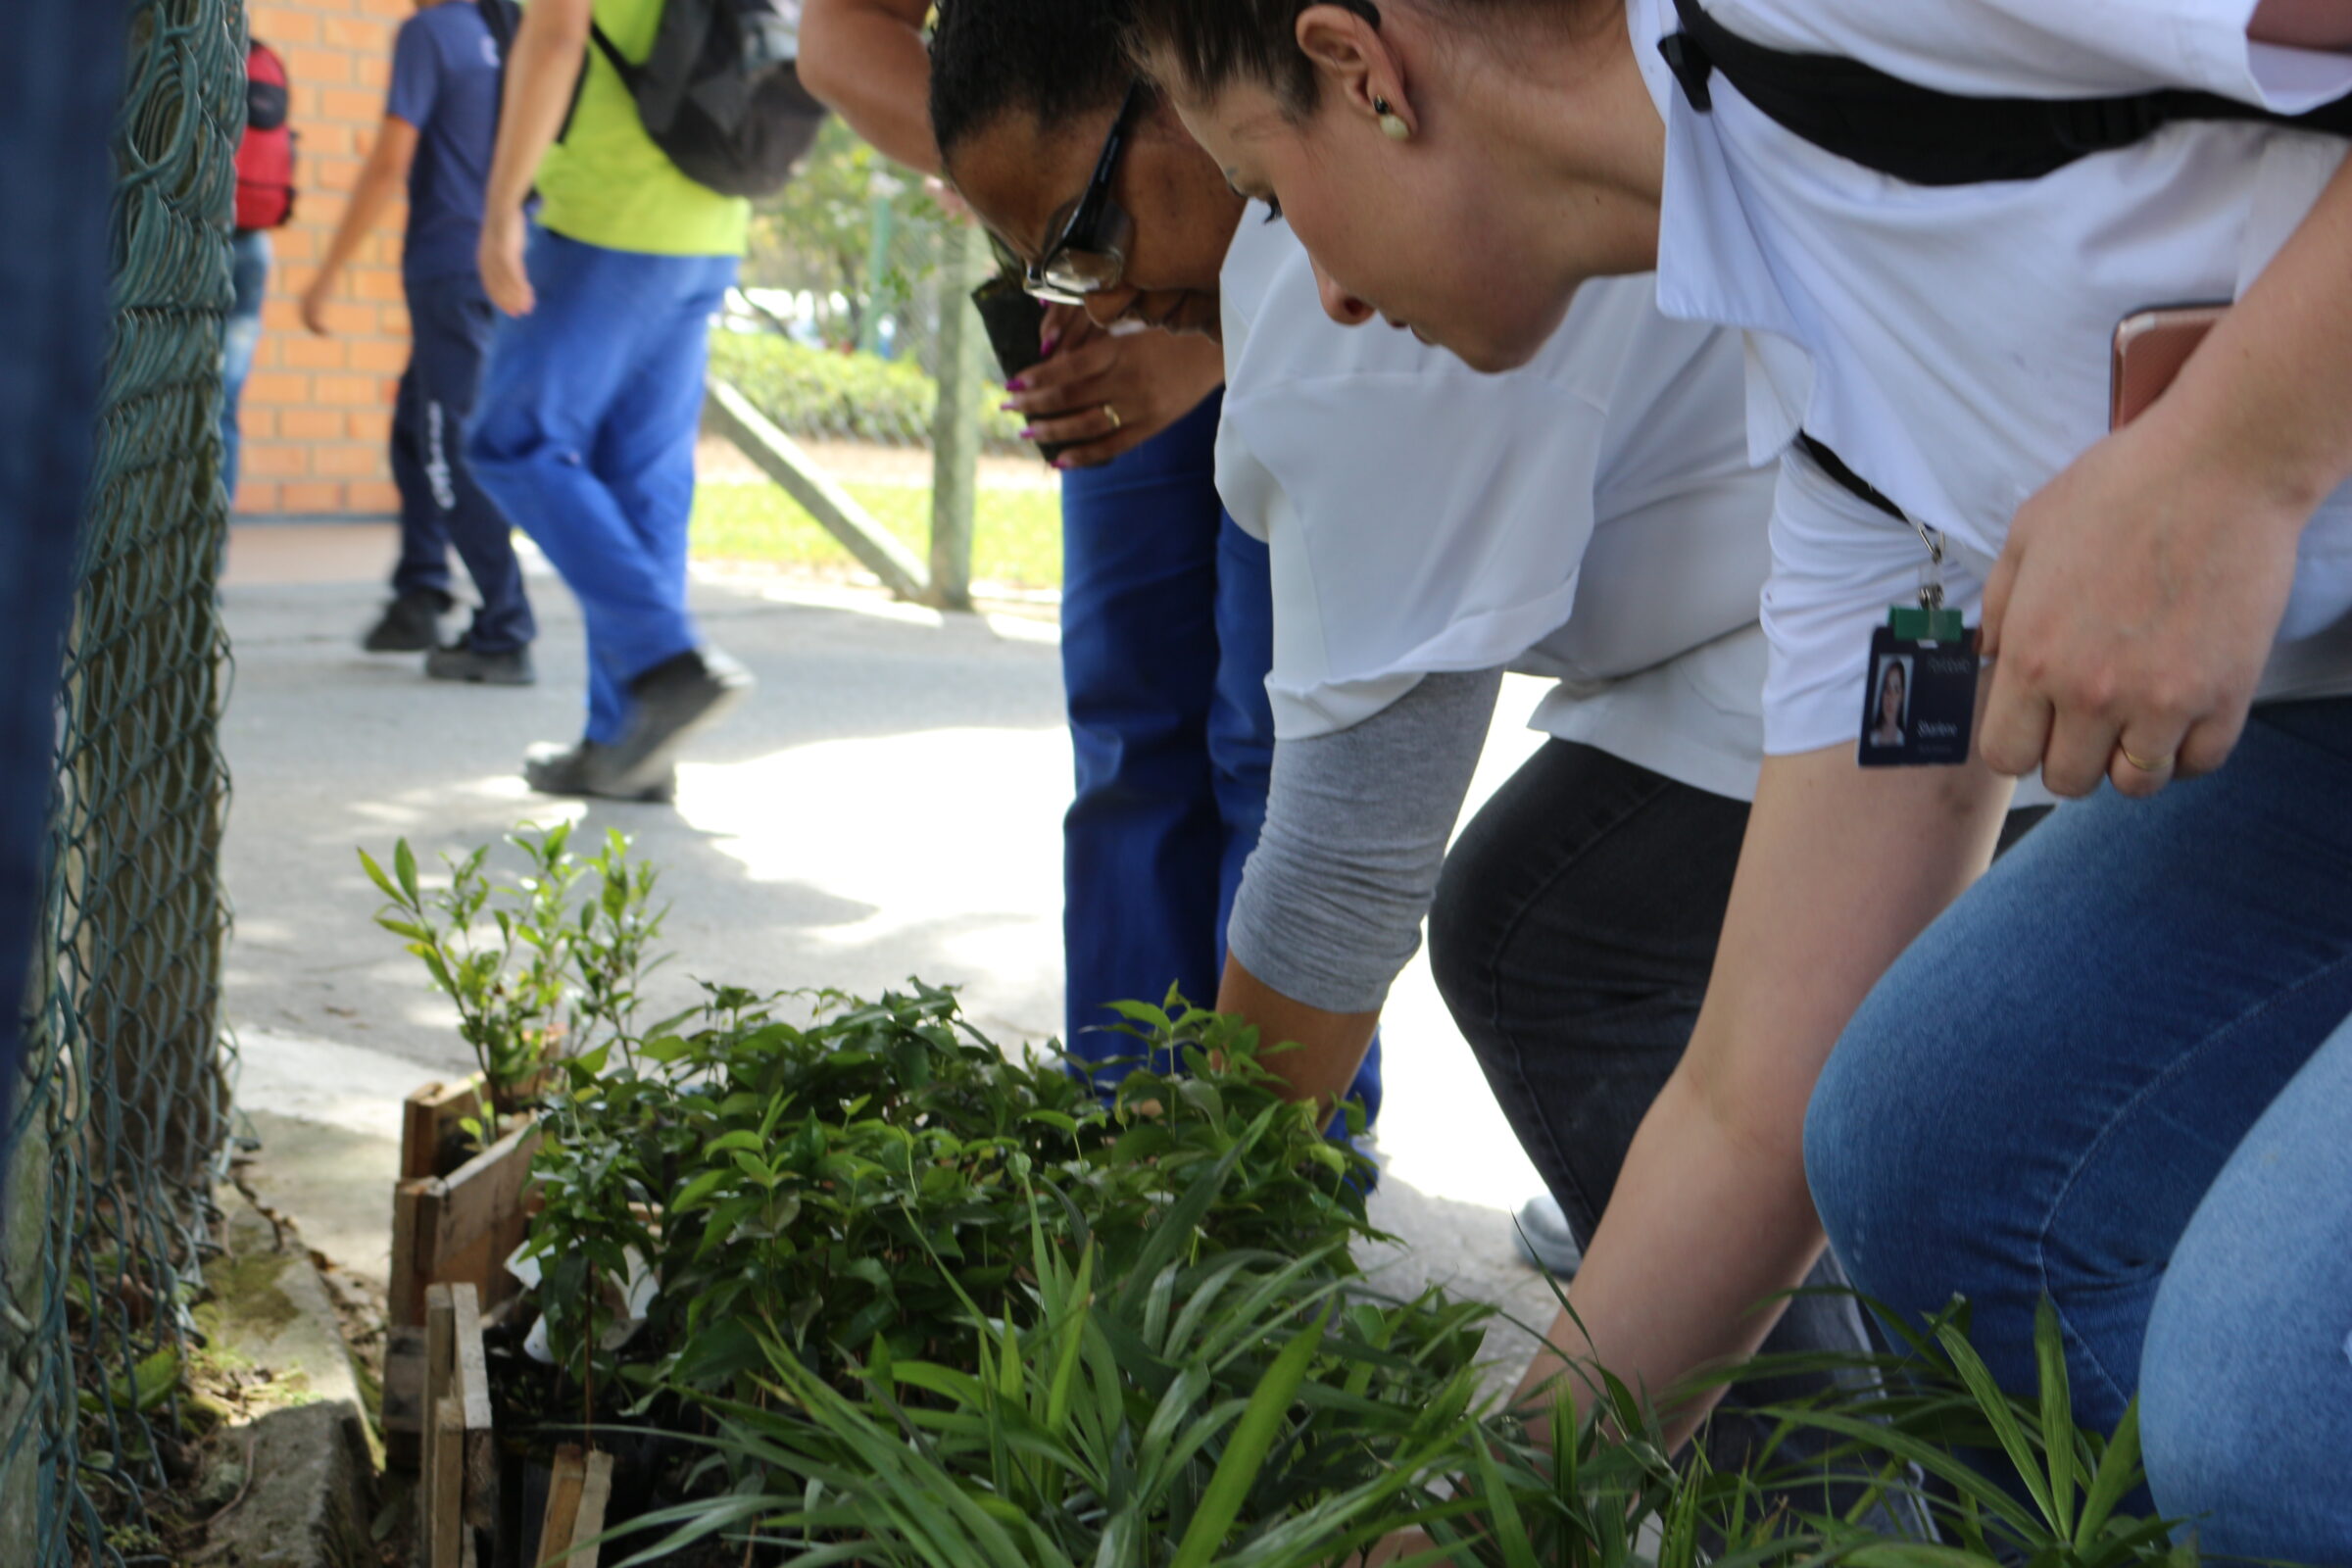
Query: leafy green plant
{"x": 2034, "y": 1487}
{"x": 869, "y": 1174}
{"x": 539, "y": 963}
{"x": 808, "y": 391}
{"x": 1245, "y": 1410}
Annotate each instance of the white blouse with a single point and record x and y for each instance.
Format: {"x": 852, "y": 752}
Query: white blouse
{"x": 1593, "y": 516}
{"x": 1951, "y": 344}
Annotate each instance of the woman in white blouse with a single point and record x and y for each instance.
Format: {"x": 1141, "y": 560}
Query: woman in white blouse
{"x": 2040, "y": 1095}
{"x": 1593, "y": 516}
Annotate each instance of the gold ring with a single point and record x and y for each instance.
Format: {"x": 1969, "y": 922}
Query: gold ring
{"x": 1113, "y": 415}
{"x": 2161, "y": 764}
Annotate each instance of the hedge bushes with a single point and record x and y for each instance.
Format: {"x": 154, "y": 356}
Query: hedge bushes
{"x": 819, "y": 392}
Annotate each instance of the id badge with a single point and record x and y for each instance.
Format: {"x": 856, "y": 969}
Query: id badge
{"x": 1921, "y": 701}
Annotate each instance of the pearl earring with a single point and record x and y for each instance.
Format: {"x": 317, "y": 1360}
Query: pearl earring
{"x": 1392, "y": 123}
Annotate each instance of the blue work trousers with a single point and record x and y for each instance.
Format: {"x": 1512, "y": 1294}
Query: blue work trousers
{"x": 441, "y": 503}
{"x": 1168, "y": 631}
{"x": 2047, "y": 1087}
{"x": 240, "y": 337}
{"x": 584, "y": 437}
{"x": 60, "y": 77}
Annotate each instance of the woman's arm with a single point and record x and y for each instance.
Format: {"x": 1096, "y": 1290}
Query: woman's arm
{"x": 1331, "y": 903}
{"x": 543, "y": 63}
{"x": 2139, "y": 593}
{"x": 865, "y": 60}
{"x": 1840, "y": 868}
{"x": 380, "y": 180}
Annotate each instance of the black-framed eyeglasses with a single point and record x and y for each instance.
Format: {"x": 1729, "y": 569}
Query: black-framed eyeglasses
{"x": 1089, "y": 256}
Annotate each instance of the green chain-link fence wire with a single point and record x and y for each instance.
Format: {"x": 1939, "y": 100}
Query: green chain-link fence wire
{"x": 122, "y": 1128}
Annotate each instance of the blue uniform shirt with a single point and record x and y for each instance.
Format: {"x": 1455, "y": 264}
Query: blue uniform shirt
{"x": 445, "y": 82}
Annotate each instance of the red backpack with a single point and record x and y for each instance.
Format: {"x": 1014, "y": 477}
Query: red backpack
{"x": 265, "y": 152}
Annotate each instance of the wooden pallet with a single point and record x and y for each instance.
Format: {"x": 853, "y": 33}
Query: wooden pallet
{"x": 576, "y": 1499}
{"x": 449, "y": 1227}
{"x": 459, "y": 1494}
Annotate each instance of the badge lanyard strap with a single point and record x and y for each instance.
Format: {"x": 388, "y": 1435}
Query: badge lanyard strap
{"x": 1931, "y": 576}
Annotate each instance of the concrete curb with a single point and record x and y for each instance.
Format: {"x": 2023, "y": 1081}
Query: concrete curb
{"x": 311, "y": 1491}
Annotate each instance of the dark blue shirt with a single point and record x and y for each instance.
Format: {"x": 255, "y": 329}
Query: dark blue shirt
{"x": 445, "y": 82}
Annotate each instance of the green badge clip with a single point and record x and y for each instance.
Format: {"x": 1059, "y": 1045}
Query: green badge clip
{"x": 1924, "y": 625}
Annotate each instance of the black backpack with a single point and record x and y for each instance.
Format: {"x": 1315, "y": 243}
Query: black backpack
{"x": 721, "y": 93}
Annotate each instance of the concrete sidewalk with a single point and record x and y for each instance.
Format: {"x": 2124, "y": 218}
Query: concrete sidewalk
{"x": 888, "y": 804}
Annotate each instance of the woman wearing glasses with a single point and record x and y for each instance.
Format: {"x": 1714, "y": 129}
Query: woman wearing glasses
{"x": 1593, "y": 516}
{"x": 2037, "y": 1097}
{"x": 1165, "y": 633}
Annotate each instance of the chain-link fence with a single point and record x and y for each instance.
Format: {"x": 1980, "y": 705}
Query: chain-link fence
{"x": 119, "y": 1134}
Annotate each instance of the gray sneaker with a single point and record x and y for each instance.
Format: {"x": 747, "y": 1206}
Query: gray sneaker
{"x": 587, "y": 769}
{"x": 1545, "y": 1239}
{"x": 668, "y": 705}
{"x": 461, "y": 660}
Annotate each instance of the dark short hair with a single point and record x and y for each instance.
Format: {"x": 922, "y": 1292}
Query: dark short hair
{"x": 1054, "y": 59}
{"x": 1210, "y": 45}
{"x": 1215, "y": 44}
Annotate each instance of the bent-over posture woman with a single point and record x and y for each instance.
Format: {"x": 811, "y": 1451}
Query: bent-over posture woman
{"x": 2038, "y": 1096}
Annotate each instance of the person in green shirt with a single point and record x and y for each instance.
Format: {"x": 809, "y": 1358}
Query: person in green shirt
{"x": 593, "y": 393}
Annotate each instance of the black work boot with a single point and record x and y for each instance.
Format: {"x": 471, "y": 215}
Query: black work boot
{"x": 461, "y": 660}
{"x": 587, "y": 769}
{"x": 409, "y": 624}
{"x": 669, "y": 703}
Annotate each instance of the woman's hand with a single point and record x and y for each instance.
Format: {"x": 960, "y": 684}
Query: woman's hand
{"x": 505, "y": 279}
{"x": 2133, "y": 611}
{"x": 1107, "y": 395}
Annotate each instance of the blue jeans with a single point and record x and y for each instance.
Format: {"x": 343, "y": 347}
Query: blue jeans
{"x": 441, "y": 503}
{"x": 585, "y": 437}
{"x": 2246, "y": 1378}
{"x": 2041, "y": 1093}
{"x": 241, "y": 336}
{"x": 1168, "y": 631}
{"x": 57, "y": 182}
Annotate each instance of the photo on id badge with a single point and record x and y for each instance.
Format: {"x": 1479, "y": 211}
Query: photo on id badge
{"x": 1920, "y": 701}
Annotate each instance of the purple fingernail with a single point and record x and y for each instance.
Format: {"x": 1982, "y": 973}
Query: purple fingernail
{"x": 1064, "y": 462}
{"x": 1005, "y": 407}
{"x": 1017, "y": 385}
{"x": 1046, "y": 349}
{"x": 1028, "y": 433}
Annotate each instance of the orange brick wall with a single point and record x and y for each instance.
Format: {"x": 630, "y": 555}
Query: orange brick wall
{"x": 318, "y": 411}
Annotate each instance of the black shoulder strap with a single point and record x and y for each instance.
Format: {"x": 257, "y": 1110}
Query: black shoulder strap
{"x": 622, "y": 67}
{"x": 1929, "y": 138}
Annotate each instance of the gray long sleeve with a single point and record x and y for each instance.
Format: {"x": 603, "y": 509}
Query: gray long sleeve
{"x": 1331, "y": 903}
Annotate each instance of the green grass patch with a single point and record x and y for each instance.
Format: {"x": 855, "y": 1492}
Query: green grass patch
{"x": 1017, "y": 533}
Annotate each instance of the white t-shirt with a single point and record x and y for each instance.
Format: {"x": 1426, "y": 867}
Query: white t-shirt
{"x": 1951, "y": 344}
{"x": 1423, "y": 518}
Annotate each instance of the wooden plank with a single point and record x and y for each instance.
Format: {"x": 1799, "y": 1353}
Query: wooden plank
{"x": 470, "y": 1385}
{"x": 596, "y": 1494}
{"x": 405, "y": 1298}
{"x": 445, "y": 1486}
{"x": 563, "y": 1486}
{"x": 480, "y": 1215}
{"x": 440, "y": 1328}
{"x": 781, "y": 459}
{"x": 428, "y": 1119}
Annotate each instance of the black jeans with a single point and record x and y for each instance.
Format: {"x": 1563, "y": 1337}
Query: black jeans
{"x": 1572, "y": 936}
